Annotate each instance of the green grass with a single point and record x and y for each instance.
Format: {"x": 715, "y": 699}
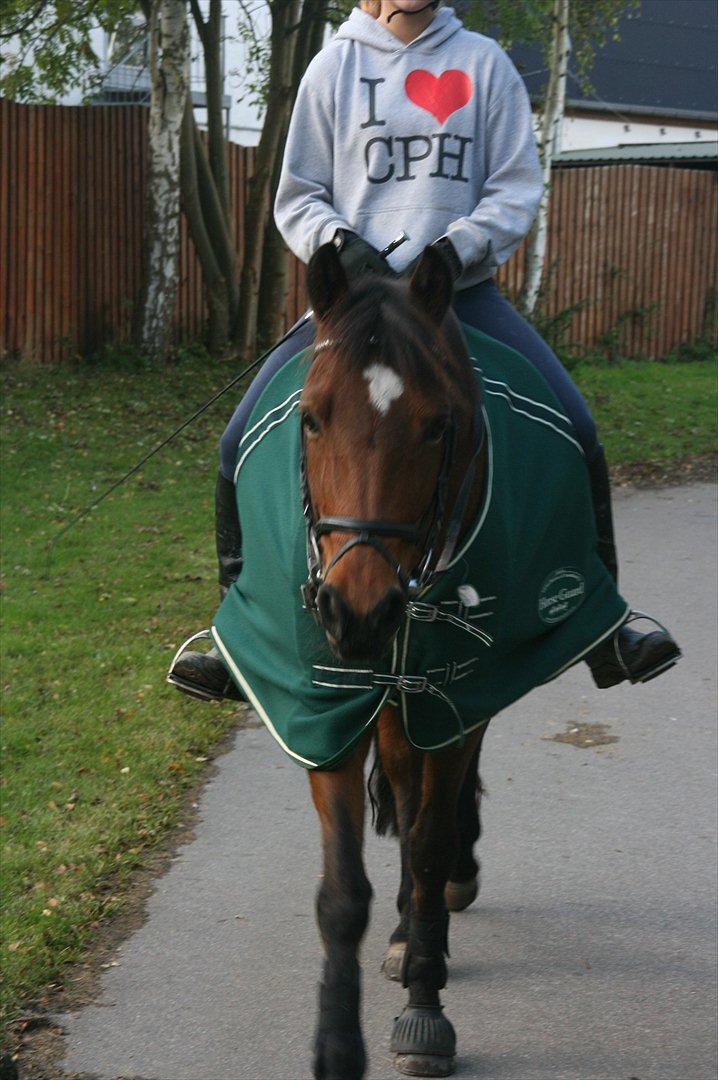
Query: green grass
{"x": 658, "y": 412}
{"x": 96, "y": 749}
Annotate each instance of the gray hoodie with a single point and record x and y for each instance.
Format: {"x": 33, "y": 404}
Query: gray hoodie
{"x": 434, "y": 137}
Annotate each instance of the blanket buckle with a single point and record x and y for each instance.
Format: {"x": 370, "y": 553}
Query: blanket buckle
{"x": 411, "y": 684}
{"x": 422, "y": 612}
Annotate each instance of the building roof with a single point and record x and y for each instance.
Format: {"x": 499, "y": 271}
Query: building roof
{"x": 664, "y": 63}
{"x": 703, "y": 153}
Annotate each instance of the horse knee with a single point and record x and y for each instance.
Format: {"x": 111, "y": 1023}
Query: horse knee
{"x": 343, "y": 911}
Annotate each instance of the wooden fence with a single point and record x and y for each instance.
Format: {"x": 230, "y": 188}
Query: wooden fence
{"x": 632, "y": 247}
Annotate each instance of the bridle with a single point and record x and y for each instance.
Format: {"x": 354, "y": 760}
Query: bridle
{"x": 424, "y": 534}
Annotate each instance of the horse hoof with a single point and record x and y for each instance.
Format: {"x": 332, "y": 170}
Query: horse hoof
{"x": 459, "y": 894}
{"x": 394, "y": 960}
{"x": 339, "y": 1056}
{"x": 423, "y": 1065}
{"x": 423, "y": 1042}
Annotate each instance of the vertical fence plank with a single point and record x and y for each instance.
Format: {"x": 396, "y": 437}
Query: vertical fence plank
{"x": 708, "y": 256}
{"x": 6, "y": 165}
{"x": 696, "y": 252}
{"x": 67, "y": 219}
{"x": 20, "y": 233}
{"x": 27, "y": 283}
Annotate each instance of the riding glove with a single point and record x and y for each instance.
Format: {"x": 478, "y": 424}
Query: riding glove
{"x": 358, "y": 257}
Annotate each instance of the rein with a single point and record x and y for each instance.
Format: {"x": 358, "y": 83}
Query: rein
{"x": 368, "y": 530}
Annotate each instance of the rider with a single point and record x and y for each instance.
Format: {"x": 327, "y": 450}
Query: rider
{"x": 406, "y": 118}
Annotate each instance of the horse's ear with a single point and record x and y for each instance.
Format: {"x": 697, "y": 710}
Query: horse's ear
{"x": 326, "y": 281}
{"x": 432, "y": 284}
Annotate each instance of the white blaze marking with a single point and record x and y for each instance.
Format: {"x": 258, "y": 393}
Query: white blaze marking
{"x": 384, "y": 386}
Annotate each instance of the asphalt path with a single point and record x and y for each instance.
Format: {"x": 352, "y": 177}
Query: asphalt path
{"x": 591, "y": 952}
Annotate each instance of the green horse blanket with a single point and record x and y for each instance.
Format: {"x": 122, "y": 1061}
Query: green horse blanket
{"x": 525, "y": 596}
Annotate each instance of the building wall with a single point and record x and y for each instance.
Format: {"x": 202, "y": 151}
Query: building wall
{"x": 588, "y": 132}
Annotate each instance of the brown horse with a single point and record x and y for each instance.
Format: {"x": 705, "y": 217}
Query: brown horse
{"x": 393, "y": 476}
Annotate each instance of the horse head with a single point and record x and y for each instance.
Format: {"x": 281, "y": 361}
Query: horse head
{"x": 388, "y": 428}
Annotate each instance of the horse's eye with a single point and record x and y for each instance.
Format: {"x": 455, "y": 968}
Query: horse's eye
{"x": 310, "y": 423}
{"x": 436, "y": 429}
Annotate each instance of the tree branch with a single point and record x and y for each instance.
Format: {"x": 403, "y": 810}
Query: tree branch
{"x": 214, "y": 218}
{"x": 212, "y": 47}
{"x": 249, "y": 21}
{"x": 18, "y": 31}
{"x": 198, "y": 20}
{"x": 214, "y": 285}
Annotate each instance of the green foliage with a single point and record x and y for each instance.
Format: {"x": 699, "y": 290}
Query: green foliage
{"x": 253, "y": 29}
{"x": 555, "y": 327}
{"x": 46, "y": 45}
{"x": 258, "y": 51}
{"x": 692, "y": 352}
{"x": 609, "y": 342}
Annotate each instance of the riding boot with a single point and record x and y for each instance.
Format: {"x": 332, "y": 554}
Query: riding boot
{"x": 203, "y": 674}
{"x": 627, "y": 654}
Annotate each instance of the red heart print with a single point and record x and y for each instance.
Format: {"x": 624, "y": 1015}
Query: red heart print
{"x": 441, "y": 97}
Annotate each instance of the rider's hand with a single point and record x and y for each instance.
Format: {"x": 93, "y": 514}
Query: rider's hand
{"x": 358, "y": 257}
{"x": 447, "y": 249}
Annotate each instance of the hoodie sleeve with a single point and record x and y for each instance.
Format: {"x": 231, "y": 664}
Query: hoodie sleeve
{"x": 511, "y": 194}
{"x": 303, "y": 207}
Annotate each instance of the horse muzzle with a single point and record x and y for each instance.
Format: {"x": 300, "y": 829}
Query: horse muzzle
{"x": 359, "y": 637}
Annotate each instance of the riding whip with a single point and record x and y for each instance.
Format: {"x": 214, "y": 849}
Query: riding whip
{"x": 401, "y": 238}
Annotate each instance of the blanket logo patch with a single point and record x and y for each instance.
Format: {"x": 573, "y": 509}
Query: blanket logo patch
{"x": 560, "y": 595}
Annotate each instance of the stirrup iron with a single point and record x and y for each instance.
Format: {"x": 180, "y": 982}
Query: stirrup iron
{"x": 193, "y": 689}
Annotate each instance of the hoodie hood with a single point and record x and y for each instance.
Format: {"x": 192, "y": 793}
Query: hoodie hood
{"x": 364, "y": 28}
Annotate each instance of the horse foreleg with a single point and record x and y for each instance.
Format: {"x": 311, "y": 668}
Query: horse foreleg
{"x": 343, "y": 902}
{"x": 423, "y": 1038}
{"x": 462, "y": 888}
{"x": 402, "y": 766}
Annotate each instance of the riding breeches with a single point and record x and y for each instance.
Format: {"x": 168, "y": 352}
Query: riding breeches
{"x": 481, "y": 306}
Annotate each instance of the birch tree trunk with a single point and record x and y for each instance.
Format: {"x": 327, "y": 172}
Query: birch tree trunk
{"x": 549, "y": 131}
{"x": 169, "y": 63}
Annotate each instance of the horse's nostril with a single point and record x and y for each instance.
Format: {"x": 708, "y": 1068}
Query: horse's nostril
{"x": 333, "y": 611}
{"x": 387, "y": 614}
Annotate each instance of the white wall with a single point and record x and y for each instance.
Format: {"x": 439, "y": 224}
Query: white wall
{"x": 589, "y": 132}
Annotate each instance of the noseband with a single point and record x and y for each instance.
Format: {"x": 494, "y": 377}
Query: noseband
{"x": 424, "y": 534}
